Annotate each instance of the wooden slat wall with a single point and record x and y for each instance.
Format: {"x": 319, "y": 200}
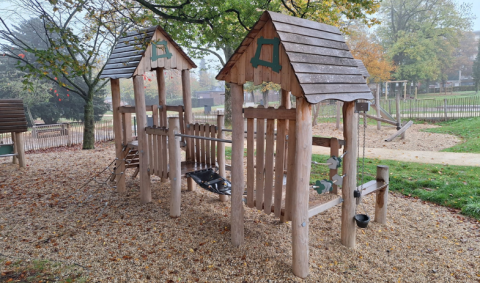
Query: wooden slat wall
{"x": 266, "y": 158}
{"x": 158, "y": 154}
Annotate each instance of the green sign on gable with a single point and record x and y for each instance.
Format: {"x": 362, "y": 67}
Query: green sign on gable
{"x": 155, "y": 45}
{"x": 275, "y": 64}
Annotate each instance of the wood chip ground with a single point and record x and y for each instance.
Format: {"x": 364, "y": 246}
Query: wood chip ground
{"x": 42, "y": 216}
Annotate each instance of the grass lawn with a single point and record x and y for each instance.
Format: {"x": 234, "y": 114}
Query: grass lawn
{"x": 38, "y": 271}
{"x": 468, "y": 129}
{"x": 452, "y": 186}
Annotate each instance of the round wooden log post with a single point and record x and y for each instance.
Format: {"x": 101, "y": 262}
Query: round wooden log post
{"x": 19, "y": 145}
{"x": 221, "y": 151}
{"x": 187, "y": 97}
{"x": 15, "y": 151}
{"x": 350, "y": 133}
{"x": 303, "y": 153}
{"x": 117, "y": 128}
{"x": 399, "y": 118}
{"x": 382, "y": 195}
{"x": 334, "y": 151}
{"x": 141, "y": 112}
{"x": 237, "y": 221}
{"x": 175, "y": 168}
{"x": 377, "y": 106}
{"x": 162, "y": 101}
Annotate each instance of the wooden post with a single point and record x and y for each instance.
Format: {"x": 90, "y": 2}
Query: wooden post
{"x": 285, "y": 102}
{"x": 386, "y": 90}
{"x": 350, "y": 133}
{"x": 377, "y": 106}
{"x": 162, "y": 101}
{"x": 141, "y": 112}
{"x": 221, "y": 151}
{"x": 416, "y": 89}
{"x": 445, "y": 110}
{"x": 303, "y": 153}
{"x": 237, "y": 222}
{"x": 187, "y": 96}
{"x": 404, "y": 90}
{"x": 127, "y": 128}
{"x": 337, "y": 125}
{"x": 69, "y": 134}
{"x": 20, "y": 147}
{"x": 334, "y": 151}
{"x": 399, "y": 119}
{"x": 382, "y": 195}
{"x": 117, "y": 128}
{"x": 175, "y": 168}
{"x": 15, "y": 149}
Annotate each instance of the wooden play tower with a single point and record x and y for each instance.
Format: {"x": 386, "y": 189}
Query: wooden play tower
{"x": 312, "y": 61}
{"x": 150, "y": 50}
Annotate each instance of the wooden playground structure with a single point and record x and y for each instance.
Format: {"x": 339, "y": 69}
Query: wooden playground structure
{"x": 309, "y": 60}
{"x": 13, "y": 120}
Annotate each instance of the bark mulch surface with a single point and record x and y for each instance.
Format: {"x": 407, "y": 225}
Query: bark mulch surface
{"x": 116, "y": 239}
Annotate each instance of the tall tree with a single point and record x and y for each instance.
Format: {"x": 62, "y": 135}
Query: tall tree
{"x": 208, "y": 26}
{"x": 476, "y": 70}
{"x": 74, "y": 36}
{"x": 372, "y": 54}
{"x": 420, "y": 35}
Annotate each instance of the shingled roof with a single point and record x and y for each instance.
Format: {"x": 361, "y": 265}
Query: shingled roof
{"x": 362, "y": 68}
{"x": 12, "y": 116}
{"x": 130, "y": 50}
{"x": 315, "y": 54}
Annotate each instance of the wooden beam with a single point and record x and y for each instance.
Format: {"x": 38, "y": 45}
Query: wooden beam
{"x": 382, "y": 195}
{"x": 319, "y": 208}
{"x": 162, "y": 113}
{"x": 303, "y": 153}
{"x": 401, "y": 131}
{"x": 131, "y": 109}
{"x": 380, "y": 119}
{"x": 350, "y": 133}
{"x": 267, "y": 113}
{"x": 117, "y": 129}
{"x": 237, "y": 221}
{"x": 325, "y": 142}
{"x": 156, "y": 131}
{"x": 175, "y": 166}
{"x": 139, "y": 93}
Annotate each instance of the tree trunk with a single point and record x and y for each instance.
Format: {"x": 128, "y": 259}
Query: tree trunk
{"x": 89, "y": 128}
{"x": 228, "y": 51}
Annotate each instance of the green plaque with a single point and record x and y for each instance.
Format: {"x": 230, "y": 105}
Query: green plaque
{"x": 155, "y": 45}
{"x": 275, "y": 64}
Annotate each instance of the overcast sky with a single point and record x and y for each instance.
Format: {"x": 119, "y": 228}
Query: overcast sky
{"x": 475, "y": 11}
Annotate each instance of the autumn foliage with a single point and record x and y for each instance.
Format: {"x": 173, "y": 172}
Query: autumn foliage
{"x": 372, "y": 54}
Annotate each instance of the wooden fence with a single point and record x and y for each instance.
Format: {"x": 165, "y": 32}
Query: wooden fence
{"x": 434, "y": 109}
{"x": 66, "y": 134}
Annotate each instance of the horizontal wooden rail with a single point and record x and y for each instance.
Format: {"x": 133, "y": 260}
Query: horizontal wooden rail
{"x": 203, "y": 138}
{"x": 269, "y": 113}
{"x": 319, "y": 208}
{"x": 157, "y": 131}
{"x": 372, "y": 186}
{"x": 380, "y": 119}
{"x": 325, "y": 142}
{"x": 131, "y": 109}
